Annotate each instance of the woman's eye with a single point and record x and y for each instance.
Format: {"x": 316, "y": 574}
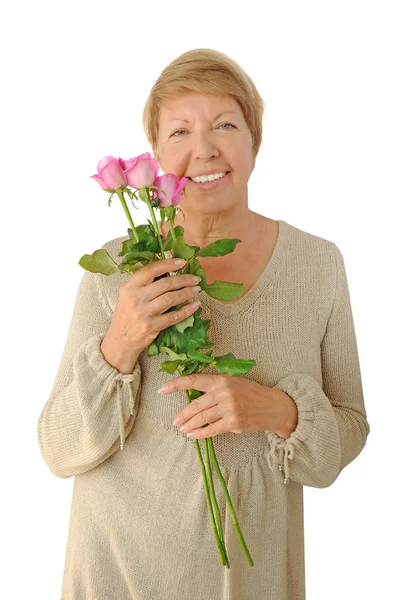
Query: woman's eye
{"x": 180, "y": 130}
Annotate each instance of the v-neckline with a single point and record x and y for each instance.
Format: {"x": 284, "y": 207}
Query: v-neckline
{"x": 272, "y": 267}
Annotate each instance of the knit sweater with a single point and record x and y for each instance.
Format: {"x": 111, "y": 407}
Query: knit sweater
{"x": 139, "y": 524}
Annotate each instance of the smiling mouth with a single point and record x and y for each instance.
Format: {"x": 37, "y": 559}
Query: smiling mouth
{"x": 209, "y": 181}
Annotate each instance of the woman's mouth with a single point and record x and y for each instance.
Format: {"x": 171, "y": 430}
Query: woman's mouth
{"x": 210, "y": 184}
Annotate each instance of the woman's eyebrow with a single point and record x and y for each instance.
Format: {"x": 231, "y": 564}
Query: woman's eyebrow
{"x": 219, "y": 115}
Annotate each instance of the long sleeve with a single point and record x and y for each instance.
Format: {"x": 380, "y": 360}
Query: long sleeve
{"x": 332, "y": 426}
{"x": 92, "y": 406}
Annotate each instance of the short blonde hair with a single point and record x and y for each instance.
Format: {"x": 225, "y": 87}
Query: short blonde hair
{"x": 204, "y": 71}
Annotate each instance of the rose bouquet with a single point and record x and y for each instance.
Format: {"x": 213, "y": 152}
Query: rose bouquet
{"x": 138, "y": 179}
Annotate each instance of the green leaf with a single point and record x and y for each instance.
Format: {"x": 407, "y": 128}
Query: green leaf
{"x": 125, "y": 268}
{"x": 185, "y": 270}
{"x": 224, "y": 357}
{"x": 133, "y": 257}
{"x": 151, "y": 226}
{"x": 167, "y": 242}
{"x": 219, "y": 247}
{"x": 193, "y": 394}
{"x": 181, "y": 249}
{"x": 190, "y": 367}
{"x": 223, "y": 290}
{"x": 163, "y": 338}
{"x": 99, "y": 262}
{"x": 173, "y": 354}
{"x": 170, "y": 366}
{"x": 143, "y": 228}
{"x": 128, "y": 246}
{"x": 148, "y": 241}
{"x": 192, "y": 338}
{"x": 153, "y": 349}
{"x": 234, "y": 367}
{"x": 195, "y": 268}
{"x": 200, "y": 356}
{"x": 182, "y": 325}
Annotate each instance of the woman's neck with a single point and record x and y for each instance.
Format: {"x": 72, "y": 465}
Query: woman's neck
{"x": 204, "y": 231}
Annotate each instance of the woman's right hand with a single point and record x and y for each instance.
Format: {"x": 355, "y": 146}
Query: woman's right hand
{"x": 138, "y": 316}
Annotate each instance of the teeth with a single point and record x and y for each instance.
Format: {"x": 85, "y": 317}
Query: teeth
{"x": 204, "y": 178}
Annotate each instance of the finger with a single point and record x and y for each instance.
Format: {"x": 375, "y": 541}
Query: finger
{"x": 173, "y": 317}
{"x": 216, "y": 428}
{"x": 201, "y": 419}
{"x": 166, "y": 292}
{"x": 146, "y": 274}
{"x": 198, "y": 381}
{"x": 197, "y": 407}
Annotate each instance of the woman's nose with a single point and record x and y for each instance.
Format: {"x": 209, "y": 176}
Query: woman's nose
{"x": 203, "y": 145}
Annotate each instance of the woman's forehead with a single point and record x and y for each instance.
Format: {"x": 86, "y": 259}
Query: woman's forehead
{"x": 188, "y": 106}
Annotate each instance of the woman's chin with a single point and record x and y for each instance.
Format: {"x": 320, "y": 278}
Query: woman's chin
{"x": 205, "y": 203}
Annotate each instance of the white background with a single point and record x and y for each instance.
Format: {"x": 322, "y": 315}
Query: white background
{"x": 336, "y": 160}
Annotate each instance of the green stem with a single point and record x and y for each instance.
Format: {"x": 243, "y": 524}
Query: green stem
{"x": 206, "y": 487}
{"x": 232, "y": 511}
{"x": 215, "y": 503}
{"x": 120, "y": 195}
{"x": 154, "y": 222}
{"x": 171, "y": 226}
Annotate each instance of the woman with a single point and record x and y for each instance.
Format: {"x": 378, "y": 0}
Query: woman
{"x": 139, "y": 525}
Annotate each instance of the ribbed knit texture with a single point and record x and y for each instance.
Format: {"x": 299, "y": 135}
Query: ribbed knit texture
{"x": 139, "y": 525}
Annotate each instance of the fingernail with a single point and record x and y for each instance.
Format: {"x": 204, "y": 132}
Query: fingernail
{"x": 162, "y": 389}
{"x": 179, "y": 261}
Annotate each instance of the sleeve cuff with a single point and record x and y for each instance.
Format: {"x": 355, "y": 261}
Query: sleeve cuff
{"x": 300, "y": 387}
{"x": 110, "y": 377}
{"x": 91, "y": 349}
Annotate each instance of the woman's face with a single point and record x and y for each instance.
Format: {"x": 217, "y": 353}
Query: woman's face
{"x": 198, "y": 133}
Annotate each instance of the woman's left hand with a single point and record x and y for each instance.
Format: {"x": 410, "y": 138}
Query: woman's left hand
{"x": 232, "y": 404}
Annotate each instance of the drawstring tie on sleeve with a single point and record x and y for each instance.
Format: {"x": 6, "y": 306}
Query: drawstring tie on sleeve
{"x": 117, "y": 381}
{"x": 285, "y": 451}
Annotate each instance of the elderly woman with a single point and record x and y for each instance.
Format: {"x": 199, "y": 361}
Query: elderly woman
{"x": 139, "y": 525}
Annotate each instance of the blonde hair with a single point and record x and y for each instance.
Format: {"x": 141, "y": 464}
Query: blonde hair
{"x": 204, "y": 71}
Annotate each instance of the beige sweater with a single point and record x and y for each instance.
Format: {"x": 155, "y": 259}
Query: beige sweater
{"x": 139, "y": 524}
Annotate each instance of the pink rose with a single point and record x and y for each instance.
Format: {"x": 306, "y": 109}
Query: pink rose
{"x": 141, "y": 171}
{"x": 171, "y": 187}
{"x": 110, "y": 174}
